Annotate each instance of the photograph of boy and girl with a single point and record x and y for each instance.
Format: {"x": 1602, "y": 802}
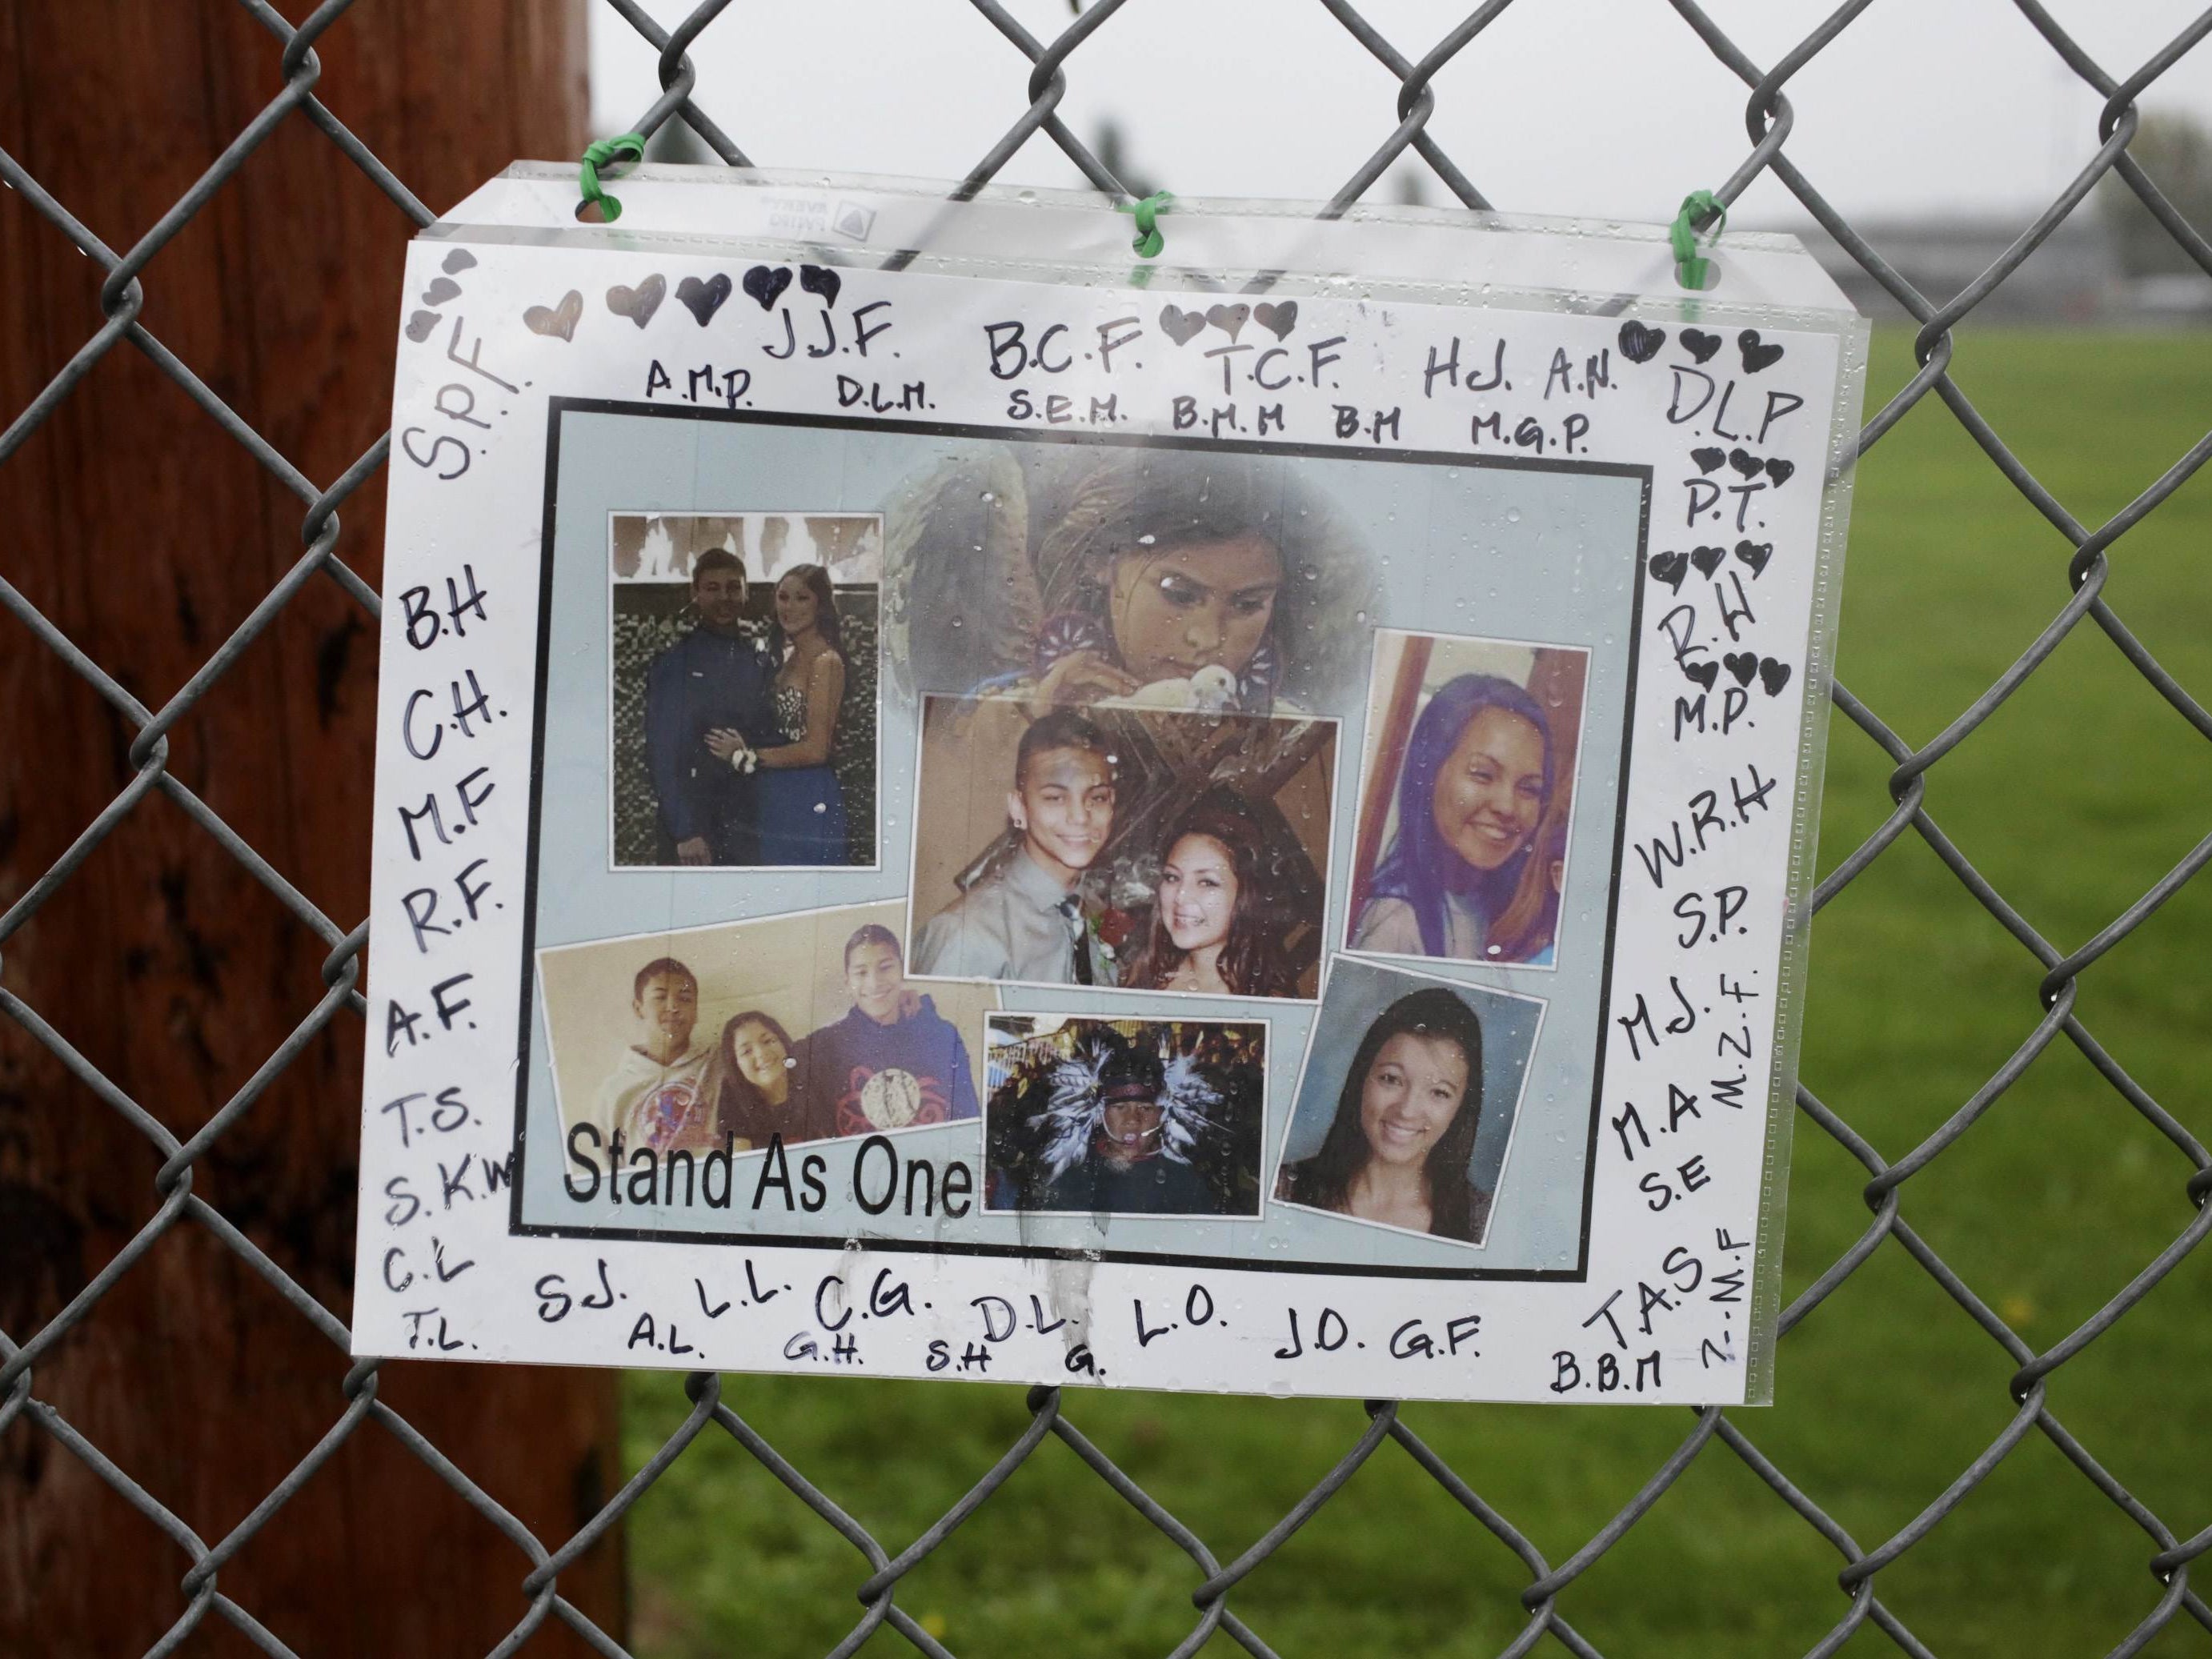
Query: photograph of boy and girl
{"x": 1461, "y": 853}
{"x": 744, "y": 710}
{"x": 1124, "y": 1117}
{"x": 1408, "y": 1100}
{"x": 1137, "y": 849}
{"x": 799, "y": 1026}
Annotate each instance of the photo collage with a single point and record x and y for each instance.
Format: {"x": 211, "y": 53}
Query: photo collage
{"x": 1096, "y": 807}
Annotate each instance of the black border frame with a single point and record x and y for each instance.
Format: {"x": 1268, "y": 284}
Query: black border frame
{"x": 557, "y": 408}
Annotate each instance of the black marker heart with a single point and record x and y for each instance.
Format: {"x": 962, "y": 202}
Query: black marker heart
{"x": 1707, "y": 559}
{"x": 820, "y": 279}
{"x": 1779, "y": 470}
{"x": 766, "y": 284}
{"x": 1773, "y": 676}
{"x": 1704, "y": 673}
{"x": 1754, "y": 554}
{"x": 1709, "y": 457}
{"x": 1670, "y": 568}
{"x": 1180, "y": 325}
{"x": 458, "y": 261}
{"x": 1744, "y": 463}
{"x": 1744, "y": 664}
{"x": 1229, "y": 320}
{"x": 441, "y": 289}
{"x": 703, "y": 300}
{"x": 1640, "y": 344}
{"x": 1278, "y": 320}
{"x": 559, "y": 319}
{"x": 1700, "y": 344}
{"x": 1756, "y": 356}
{"x": 420, "y": 324}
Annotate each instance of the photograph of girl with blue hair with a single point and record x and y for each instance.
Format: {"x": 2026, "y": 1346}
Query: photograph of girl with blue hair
{"x": 1464, "y": 818}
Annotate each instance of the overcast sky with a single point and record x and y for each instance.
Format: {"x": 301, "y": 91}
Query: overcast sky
{"x": 1603, "y": 108}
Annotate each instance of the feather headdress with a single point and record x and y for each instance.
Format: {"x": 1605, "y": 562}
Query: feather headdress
{"x": 1076, "y": 1109}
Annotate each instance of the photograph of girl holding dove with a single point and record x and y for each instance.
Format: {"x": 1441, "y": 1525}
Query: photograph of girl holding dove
{"x": 1067, "y": 575}
{"x": 1462, "y": 847}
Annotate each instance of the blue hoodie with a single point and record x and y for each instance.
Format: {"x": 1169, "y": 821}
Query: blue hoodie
{"x": 872, "y": 1078}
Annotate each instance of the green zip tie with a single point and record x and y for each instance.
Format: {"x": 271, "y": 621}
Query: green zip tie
{"x": 630, "y": 147}
{"x": 1148, "y": 241}
{"x": 1691, "y": 269}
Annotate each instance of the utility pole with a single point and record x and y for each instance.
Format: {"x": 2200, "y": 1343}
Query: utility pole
{"x": 145, "y": 533}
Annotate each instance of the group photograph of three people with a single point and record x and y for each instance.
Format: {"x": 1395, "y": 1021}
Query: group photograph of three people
{"x": 802, "y": 1028}
{"x": 1130, "y": 669}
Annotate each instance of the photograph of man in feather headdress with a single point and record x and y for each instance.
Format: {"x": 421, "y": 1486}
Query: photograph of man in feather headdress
{"x": 1124, "y": 1117}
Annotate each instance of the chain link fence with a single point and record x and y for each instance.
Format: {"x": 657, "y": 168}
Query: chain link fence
{"x": 1548, "y": 1593}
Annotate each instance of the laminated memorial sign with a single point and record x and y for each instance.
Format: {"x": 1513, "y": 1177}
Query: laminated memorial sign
{"x": 954, "y": 801}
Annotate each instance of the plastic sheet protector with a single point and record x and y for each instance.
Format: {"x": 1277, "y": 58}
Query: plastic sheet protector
{"x": 956, "y": 801}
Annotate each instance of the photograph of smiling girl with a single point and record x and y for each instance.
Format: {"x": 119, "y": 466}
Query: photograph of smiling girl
{"x": 1062, "y": 575}
{"x": 1406, "y": 1101}
{"x": 1136, "y": 848}
{"x": 742, "y": 699}
{"x": 1465, "y": 799}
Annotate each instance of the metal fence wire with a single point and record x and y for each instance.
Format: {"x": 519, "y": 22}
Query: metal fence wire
{"x": 1548, "y": 1591}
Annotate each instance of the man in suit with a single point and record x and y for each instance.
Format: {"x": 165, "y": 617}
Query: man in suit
{"x": 716, "y": 676}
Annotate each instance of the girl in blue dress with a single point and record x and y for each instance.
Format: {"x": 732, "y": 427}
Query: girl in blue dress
{"x": 801, "y": 806}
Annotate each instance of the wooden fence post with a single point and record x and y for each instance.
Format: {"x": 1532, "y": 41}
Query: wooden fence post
{"x": 144, "y": 531}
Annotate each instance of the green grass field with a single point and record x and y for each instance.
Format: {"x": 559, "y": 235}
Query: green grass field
{"x": 2073, "y": 799}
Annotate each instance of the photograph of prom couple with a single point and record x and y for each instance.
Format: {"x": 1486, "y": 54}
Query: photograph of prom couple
{"x": 802, "y": 1026}
{"x": 742, "y": 649}
{"x": 1124, "y": 1117}
{"x": 1465, "y": 799}
{"x": 1132, "y": 848}
{"x": 1406, "y": 1101}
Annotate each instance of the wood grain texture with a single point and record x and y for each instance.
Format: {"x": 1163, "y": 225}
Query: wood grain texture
{"x": 148, "y": 535}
